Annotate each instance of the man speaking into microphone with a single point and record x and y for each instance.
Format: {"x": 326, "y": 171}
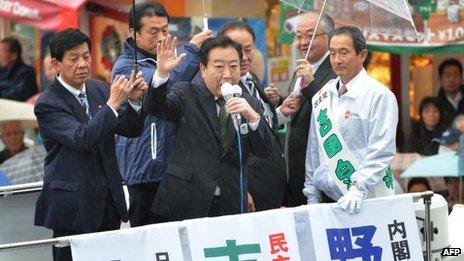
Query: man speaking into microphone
{"x": 203, "y": 178}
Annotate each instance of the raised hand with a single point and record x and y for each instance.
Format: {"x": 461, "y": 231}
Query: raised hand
{"x": 140, "y": 86}
{"x": 199, "y": 38}
{"x": 119, "y": 90}
{"x": 272, "y": 93}
{"x": 166, "y": 56}
{"x": 303, "y": 69}
{"x": 290, "y": 105}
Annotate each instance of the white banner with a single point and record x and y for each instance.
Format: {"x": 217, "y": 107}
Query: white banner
{"x": 384, "y": 229}
{"x": 261, "y": 236}
{"x": 149, "y": 243}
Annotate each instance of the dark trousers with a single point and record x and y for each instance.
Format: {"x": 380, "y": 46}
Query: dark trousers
{"x": 111, "y": 221}
{"x": 141, "y": 198}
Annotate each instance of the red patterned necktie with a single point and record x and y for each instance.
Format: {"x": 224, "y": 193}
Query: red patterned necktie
{"x": 342, "y": 90}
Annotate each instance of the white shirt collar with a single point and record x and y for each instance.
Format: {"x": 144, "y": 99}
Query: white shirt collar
{"x": 245, "y": 77}
{"x": 455, "y": 101}
{"x": 353, "y": 85}
{"x": 71, "y": 89}
{"x": 315, "y": 66}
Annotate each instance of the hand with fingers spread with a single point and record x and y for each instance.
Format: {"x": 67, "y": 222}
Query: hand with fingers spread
{"x": 140, "y": 86}
{"x": 237, "y": 105}
{"x": 290, "y": 105}
{"x": 166, "y": 56}
{"x": 352, "y": 200}
{"x": 199, "y": 38}
{"x": 303, "y": 69}
{"x": 272, "y": 93}
{"x": 119, "y": 90}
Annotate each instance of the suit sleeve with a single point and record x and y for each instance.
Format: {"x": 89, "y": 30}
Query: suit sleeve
{"x": 130, "y": 122}
{"x": 166, "y": 106}
{"x": 62, "y": 126}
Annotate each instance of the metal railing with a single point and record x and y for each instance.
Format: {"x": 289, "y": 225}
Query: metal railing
{"x": 20, "y": 189}
{"x": 64, "y": 241}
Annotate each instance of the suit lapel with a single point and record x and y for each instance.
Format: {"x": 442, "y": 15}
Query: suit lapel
{"x": 92, "y": 97}
{"x": 208, "y": 108}
{"x": 71, "y": 100}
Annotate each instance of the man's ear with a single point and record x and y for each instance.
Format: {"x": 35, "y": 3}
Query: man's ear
{"x": 363, "y": 55}
{"x": 56, "y": 65}
{"x": 202, "y": 70}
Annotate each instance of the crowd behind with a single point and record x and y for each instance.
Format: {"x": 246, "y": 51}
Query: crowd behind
{"x": 439, "y": 129}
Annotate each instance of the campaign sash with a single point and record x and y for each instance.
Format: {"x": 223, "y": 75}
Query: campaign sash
{"x": 340, "y": 160}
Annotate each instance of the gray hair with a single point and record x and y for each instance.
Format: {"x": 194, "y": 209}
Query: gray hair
{"x": 359, "y": 42}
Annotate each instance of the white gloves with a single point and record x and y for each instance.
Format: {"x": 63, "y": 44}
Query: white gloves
{"x": 352, "y": 199}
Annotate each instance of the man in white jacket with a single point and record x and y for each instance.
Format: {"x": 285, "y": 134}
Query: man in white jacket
{"x": 354, "y": 126}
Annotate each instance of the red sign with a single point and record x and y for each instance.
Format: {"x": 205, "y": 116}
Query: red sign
{"x": 52, "y": 15}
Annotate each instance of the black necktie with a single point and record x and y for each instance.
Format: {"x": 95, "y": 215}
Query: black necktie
{"x": 82, "y": 99}
{"x": 223, "y": 117}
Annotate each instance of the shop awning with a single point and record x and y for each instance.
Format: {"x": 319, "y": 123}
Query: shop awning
{"x": 52, "y": 15}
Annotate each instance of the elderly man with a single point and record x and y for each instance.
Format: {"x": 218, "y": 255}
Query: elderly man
{"x": 12, "y": 135}
{"x": 315, "y": 71}
{"x": 353, "y": 129}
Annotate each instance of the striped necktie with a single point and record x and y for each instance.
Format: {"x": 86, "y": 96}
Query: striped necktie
{"x": 223, "y": 117}
{"x": 83, "y": 100}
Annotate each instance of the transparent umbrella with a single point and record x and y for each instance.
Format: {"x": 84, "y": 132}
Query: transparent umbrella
{"x": 382, "y": 17}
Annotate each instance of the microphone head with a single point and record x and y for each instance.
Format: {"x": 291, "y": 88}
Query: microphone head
{"x": 227, "y": 90}
{"x": 237, "y": 90}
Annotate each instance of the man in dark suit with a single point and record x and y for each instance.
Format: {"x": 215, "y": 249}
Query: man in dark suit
{"x": 316, "y": 72}
{"x": 267, "y": 176}
{"x": 203, "y": 178}
{"x": 78, "y": 117}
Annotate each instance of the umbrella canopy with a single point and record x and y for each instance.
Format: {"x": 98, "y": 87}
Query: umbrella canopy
{"x": 447, "y": 164}
{"x": 14, "y": 110}
{"x": 382, "y": 17}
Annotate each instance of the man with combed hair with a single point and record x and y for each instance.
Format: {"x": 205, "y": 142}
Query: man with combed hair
{"x": 353, "y": 129}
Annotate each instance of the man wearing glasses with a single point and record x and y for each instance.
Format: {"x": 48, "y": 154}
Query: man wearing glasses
{"x": 315, "y": 71}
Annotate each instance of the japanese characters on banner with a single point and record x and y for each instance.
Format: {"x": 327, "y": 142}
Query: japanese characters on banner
{"x": 378, "y": 232}
{"x": 149, "y": 243}
{"x": 385, "y": 229}
{"x": 262, "y": 236}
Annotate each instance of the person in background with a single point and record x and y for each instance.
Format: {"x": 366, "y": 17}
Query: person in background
{"x": 450, "y": 95}
{"x": 452, "y": 185}
{"x": 449, "y": 140}
{"x": 427, "y": 128}
{"x": 418, "y": 185}
{"x": 12, "y": 135}
{"x": 17, "y": 79}
{"x": 315, "y": 71}
{"x": 143, "y": 160}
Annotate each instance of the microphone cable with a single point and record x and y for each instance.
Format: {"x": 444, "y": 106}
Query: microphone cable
{"x": 242, "y": 176}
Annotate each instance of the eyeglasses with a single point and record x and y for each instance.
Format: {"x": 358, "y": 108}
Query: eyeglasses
{"x": 299, "y": 37}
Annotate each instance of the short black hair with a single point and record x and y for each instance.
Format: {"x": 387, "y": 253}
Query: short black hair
{"x": 359, "y": 42}
{"x": 449, "y": 62}
{"x": 14, "y": 46}
{"x": 218, "y": 41}
{"x": 430, "y": 100}
{"x": 419, "y": 180}
{"x": 236, "y": 25}
{"x": 66, "y": 40}
{"x": 145, "y": 10}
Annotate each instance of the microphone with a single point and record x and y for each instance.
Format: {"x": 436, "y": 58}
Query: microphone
{"x": 229, "y": 91}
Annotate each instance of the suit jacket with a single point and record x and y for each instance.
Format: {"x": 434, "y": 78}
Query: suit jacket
{"x": 80, "y": 165}
{"x": 267, "y": 177}
{"x": 297, "y": 139}
{"x": 199, "y": 165}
